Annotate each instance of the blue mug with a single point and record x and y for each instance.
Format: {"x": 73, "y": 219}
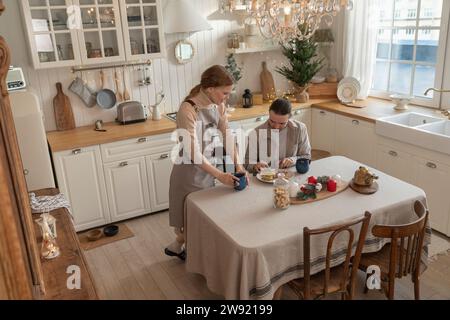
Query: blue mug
{"x": 242, "y": 181}
{"x": 302, "y": 165}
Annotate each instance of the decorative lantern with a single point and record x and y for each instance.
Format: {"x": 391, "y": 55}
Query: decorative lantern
{"x": 247, "y": 99}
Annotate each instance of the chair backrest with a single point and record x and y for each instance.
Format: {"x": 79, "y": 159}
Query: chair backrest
{"x": 335, "y": 231}
{"x": 406, "y": 242}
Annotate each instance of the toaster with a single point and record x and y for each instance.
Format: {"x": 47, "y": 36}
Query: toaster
{"x": 131, "y": 112}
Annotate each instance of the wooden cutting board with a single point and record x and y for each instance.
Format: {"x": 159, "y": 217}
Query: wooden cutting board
{"x": 267, "y": 83}
{"x": 63, "y": 110}
{"x": 324, "y": 194}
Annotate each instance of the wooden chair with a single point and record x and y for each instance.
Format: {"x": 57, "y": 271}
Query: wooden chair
{"x": 339, "y": 279}
{"x": 400, "y": 259}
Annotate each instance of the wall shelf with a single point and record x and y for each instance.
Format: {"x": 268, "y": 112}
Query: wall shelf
{"x": 252, "y": 50}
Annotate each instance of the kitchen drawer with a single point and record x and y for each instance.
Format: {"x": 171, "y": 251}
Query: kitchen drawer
{"x": 136, "y": 147}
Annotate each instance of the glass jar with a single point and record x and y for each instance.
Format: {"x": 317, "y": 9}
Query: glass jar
{"x": 281, "y": 199}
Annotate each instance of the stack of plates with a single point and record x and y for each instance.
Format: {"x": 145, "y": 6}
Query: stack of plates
{"x": 348, "y": 90}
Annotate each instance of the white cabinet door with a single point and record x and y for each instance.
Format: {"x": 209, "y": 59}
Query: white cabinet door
{"x": 126, "y": 183}
{"x": 323, "y": 130}
{"x": 100, "y": 38}
{"x": 396, "y": 163}
{"x": 159, "y": 168}
{"x": 304, "y": 115}
{"x": 81, "y": 180}
{"x": 51, "y": 42}
{"x": 356, "y": 140}
{"x": 142, "y": 29}
{"x": 433, "y": 177}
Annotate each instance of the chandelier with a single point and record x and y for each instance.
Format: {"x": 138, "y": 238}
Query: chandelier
{"x": 286, "y": 20}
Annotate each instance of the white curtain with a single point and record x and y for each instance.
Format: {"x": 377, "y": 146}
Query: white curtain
{"x": 360, "y": 42}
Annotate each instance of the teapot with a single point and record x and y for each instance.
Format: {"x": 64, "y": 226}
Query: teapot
{"x": 364, "y": 177}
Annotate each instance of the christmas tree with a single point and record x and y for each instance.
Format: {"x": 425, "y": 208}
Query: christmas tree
{"x": 233, "y": 68}
{"x": 303, "y": 62}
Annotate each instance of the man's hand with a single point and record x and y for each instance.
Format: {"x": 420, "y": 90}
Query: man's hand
{"x": 286, "y": 163}
{"x": 260, "y": 165}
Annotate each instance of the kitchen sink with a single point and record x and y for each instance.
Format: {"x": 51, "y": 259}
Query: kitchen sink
{"x": 411, "y": 119}
{"x": 441, "y": 128}
{"x": 417, "y": 129}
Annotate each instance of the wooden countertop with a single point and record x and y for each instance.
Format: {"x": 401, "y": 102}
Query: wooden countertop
{"x": 373, "y": 109}
{"x": 87, "y": 136}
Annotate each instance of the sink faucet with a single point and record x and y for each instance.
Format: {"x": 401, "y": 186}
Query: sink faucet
{"x": 444, "y": 112}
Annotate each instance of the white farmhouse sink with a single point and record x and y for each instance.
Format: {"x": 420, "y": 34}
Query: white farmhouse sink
{"x": 441, "y": 128}
{"x": 411, "y": 119}
{"x": 418, "y": 129}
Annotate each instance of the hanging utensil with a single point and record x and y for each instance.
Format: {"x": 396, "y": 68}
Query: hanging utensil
{"x": 102, "y": 79}
{"x": 126, "y": 94}
{"x": 118, "y": 94}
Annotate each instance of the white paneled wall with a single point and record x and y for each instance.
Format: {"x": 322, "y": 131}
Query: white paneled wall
{"x": 173, "y": 79}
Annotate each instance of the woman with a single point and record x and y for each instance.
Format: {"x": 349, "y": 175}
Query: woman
{"x": 202, "y": 109}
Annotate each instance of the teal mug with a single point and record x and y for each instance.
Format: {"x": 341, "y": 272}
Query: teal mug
{"x": 242, "y": 181}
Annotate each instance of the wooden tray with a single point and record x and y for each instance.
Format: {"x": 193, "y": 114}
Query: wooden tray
{"x": 321, "y": 195}
{"x": 363, "y": 189}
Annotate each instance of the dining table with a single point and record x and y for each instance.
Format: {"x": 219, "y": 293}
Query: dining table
{"x": 245, "y": 248}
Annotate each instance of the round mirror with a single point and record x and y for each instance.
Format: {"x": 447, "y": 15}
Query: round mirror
{"x": 184, "y": 51}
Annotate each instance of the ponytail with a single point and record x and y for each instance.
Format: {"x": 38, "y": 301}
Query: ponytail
{"x": 213, "y": 77}
{"x": 195, "y": 90}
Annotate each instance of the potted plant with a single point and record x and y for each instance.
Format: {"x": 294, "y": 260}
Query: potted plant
{"x": 235, "y": 72}
{"x": 303, "y": 65}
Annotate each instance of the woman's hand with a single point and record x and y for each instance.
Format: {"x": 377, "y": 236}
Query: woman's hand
{"x": 227, "y": 179}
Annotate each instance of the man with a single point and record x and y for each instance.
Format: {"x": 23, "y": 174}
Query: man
{"x": 293, "y": 139}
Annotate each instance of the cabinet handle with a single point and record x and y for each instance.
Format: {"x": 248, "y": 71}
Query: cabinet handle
{"x": 393, "y": 153}
{"x": 140, "y": 140}
{"x": 323, "y": 113}
{"x": 164, "y": 156}
{"x": 26, "y": 172}
{"x": 297, "y": 112}
{"x": 123, "y": 164}
{"x": 259, "y": 119}
{"x": 355, "y": 122}
{"x": 76, "y": 151}
{"x": 431, "y": 165}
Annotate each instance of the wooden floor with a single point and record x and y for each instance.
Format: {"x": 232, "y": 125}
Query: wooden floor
{"x": 137, "y": 268}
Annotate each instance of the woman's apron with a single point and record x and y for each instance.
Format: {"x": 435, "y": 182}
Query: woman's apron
{"x": 187, "y": 178}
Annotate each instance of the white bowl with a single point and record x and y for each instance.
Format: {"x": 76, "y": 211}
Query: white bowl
{"x": 401, "y": 101}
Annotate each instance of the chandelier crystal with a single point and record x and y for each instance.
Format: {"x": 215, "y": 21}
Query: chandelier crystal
{"x": 286, "y": 20}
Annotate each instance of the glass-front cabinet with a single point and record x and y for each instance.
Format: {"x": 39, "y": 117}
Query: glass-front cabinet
{"x": 100, "y": 37}
{"x": 52, "y": 43}
{"x": 65, "y": 33}
{"x": 142, "y": 21}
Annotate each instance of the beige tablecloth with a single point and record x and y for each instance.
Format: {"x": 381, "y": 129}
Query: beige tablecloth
{"x": 246, "y": 249}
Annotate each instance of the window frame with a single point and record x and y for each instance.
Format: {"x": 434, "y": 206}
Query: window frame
{"x": 444, "y": 46}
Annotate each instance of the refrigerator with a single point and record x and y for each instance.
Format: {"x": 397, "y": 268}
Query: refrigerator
{"x": 34, "y": 151}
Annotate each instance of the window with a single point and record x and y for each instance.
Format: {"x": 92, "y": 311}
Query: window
{"x": 409, "y": 50}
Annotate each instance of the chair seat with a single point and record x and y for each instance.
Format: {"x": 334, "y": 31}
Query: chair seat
{"x": 319, "y": 154}
{"x": 317, "y": 281}
{"x": 380, "y": 258}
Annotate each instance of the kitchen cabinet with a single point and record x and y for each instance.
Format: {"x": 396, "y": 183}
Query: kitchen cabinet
{"x": 426, "y": 169}
{"x": 304, "y": 115}
{"x": 51, "y": 42}
{"x": 433, "y": 177}
{"x": 142, "y": 29}
{"x": 80, "y": 178}
{"x": 159, "y": 168}
{"x": 116, "y": 181}
{"x": 127, "y": 187}
{"x": 395, "y": 162}
{"x": 323, "y": 130}
{"x": 108, "y": 31}
{"x": 355, "y": 139}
